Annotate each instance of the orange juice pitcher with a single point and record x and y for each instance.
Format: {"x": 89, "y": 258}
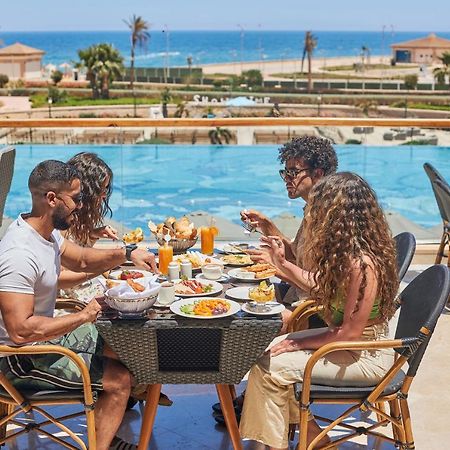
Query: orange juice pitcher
{"x": 207, "y": 238}
{"x": 165, "y": 253}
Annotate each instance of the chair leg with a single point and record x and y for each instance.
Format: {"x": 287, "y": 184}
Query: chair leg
{"x": 151, "y": 405}
{"x": 226, "y": 403}
{"x": 397, "y": 431}
{"x": 406, "y": 418}
{"x": 233, "y": 391}
{"x": 441, "y": 249}
{"x": 5, "y": 409}
{"x": 90, "y": 421}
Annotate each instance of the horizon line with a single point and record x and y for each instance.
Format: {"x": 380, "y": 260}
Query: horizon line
{"x": 258, "y": 30}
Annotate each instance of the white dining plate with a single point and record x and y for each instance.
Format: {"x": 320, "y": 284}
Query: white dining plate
{"x": 249, "y": 276}
{"x": 234, "y": 249}
{"x": 175, "y": 308}
{"x": 163, "y": 305}
{"x": 274, "y": 309}
{"x": 115, "y": 274}
{"x": 202, "y": 277}
{"x": 216, "y": 289}
{"x": 238, "y": 293}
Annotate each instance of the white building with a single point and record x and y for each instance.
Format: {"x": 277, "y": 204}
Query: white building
{"x": 20, "y": 61}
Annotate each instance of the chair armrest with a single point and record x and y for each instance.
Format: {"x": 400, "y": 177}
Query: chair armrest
{"x": 301, "y": 313}
{"x": 69, "y": 303}
{"x": 56, "y": 349}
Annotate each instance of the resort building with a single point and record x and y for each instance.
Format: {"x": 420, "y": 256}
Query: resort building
{"x": 20, "y": 61}
{"x": 425, "y": 50}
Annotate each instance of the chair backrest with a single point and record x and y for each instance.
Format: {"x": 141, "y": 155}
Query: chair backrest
{"x": 405, "y": 244}
{"x": 422, "y": 303}
{"x": 442, "y": 191}
{"x": 7, "y": 158}
{"x": 434, "y": 175}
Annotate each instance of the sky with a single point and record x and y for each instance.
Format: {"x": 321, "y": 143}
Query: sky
{"x": 318, "y": 15}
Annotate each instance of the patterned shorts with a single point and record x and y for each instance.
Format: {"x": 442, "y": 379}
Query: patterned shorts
{"x": 48, "y": 371}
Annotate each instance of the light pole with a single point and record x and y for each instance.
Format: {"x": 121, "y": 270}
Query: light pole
{"x": 166, "y": 59}
{"x": 242, "y": 45}
{"x": 50, "y": 101}
{"x": 319, "y": 102}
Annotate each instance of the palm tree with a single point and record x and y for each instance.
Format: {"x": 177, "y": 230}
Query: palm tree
{"x": 308, "y": 48}
{"x": 181, "y": 110}
{"x": 166, "y": 97}
{"x": 139, "y": 38}
{"x": 103, "y": 64}
{"x": 441, "y": 73}
{"x": 218, "y": 135}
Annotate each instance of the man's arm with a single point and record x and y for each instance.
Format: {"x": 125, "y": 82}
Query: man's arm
{"x": 85, "y": 259}
{"x": 23, "y": 327}
{"x": 68, "y": 279}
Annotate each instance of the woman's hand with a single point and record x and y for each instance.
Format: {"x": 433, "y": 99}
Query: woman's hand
{"x": 105, "y": 232}
{"x": 285, "y": 346}
{"x": 260, "y": 256}
{"x": 275, "y": 248}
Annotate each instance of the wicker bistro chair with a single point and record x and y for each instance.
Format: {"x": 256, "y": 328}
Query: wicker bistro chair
{"x": 442, "y": 201}
{"x": 15, "y": 402}
{"x": 405, "y": 244}
{"x": 422, "y": 303}
{"x": 176, "y": 350}
{"x": 7, "y": 157}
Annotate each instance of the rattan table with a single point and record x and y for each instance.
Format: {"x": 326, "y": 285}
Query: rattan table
{"x": 168, "y": 349}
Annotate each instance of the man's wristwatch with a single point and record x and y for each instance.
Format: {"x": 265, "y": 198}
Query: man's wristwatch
{"x": 128, "y": 249}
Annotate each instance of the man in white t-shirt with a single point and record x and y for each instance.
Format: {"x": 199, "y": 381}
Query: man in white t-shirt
{"x": 31, "y": 253}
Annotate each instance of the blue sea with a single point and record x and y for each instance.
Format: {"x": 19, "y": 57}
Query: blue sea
{"x": 211, "y": 46}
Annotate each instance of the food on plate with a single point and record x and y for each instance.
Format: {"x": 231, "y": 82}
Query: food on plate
{"x": 194, "y": 258}
{"x": 262, "y": 270}
{"x": 130, "y": 274}
{"x": 133, "y": 237}
{"x": 189, "y": 287}
{"x": 262, "y": 293}
{"x": 137, "y": 287}
{"x": 207, "y": 307}
{"x": 110, "y": 284}
{"x": 181, "y": 228}
{"x": 237, "y": 260}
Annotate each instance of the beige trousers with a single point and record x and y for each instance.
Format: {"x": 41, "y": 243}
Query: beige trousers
{"x": 270, "y": 405}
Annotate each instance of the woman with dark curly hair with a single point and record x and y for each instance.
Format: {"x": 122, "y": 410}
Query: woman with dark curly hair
{"x": 348, "y": 267}
{"x": 87, "y": 226}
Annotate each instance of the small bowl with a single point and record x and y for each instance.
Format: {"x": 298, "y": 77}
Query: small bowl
{"x": 212, "y": 271}
{"x": 131, "y": 306}
{"x": 179, "y": 245}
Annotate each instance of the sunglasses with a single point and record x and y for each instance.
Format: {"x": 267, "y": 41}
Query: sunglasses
{"x": 291, "y": 173}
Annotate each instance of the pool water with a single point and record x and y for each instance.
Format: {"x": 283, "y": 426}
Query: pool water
{"x": 153, "y": 182}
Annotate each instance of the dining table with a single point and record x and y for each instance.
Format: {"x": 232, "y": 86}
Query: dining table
{"x": 161, "y": 347}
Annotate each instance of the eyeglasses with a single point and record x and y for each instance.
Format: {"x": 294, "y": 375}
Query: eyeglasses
{"x": 291, "y": 173}
{"x": 77, "y": 199}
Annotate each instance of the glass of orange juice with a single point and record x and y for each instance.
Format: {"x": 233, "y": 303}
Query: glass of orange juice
{"x": 207, "y": 239}
{"x": 165, "y": 253}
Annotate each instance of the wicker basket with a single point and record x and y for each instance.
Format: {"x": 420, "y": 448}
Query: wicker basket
{"x": 179, "y": 245}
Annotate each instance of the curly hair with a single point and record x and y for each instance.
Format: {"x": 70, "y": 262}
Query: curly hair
{"x": 93, "y": 173}
{"x": 345, "y": 226}
{"x": 317, "y": 153}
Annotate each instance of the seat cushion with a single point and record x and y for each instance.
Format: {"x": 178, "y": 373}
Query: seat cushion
{"x": 32, "y": 395}
{"x": 319, "y": 391}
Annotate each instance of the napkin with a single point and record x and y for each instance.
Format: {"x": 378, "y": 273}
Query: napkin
{"x": 125, "y": 292}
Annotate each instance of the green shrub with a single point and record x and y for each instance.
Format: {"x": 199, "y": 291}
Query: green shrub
{"x": 353, "y": 142}
{"x": 87, "y": 115}
{"x": 56, "y": 76}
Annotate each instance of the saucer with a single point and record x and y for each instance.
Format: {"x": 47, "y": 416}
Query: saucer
{"x": 222, "y": 279}
{"x": 160, "y": 305}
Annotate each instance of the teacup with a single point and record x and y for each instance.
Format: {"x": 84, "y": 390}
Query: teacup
{"x": 212, "y": 271}
{"x": 166, "y": 293}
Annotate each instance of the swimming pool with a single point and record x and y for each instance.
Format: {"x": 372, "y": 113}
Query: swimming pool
{"x": 153, "y": 182}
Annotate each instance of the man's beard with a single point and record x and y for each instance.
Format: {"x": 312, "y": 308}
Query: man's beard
{"x": 60, "y": 219}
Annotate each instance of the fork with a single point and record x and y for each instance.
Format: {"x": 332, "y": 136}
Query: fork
{"x": 250, "y": 228}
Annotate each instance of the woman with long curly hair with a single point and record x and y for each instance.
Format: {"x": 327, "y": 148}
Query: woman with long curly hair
{"x": 349, "y": 267}
{"x": 87, "y": 227}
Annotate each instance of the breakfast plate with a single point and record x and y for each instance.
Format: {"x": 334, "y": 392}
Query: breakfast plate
{"x": 239, "y": 293}
{"x": 242, "y": 275}
{"x": 185, "y": 307}
{"x": 209, "y": 288}
{"x": 237, "y": 260}
{"x": 124, "y": 274}
{"x": 223, "y": 279}
{"x": 266, "y": 310}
